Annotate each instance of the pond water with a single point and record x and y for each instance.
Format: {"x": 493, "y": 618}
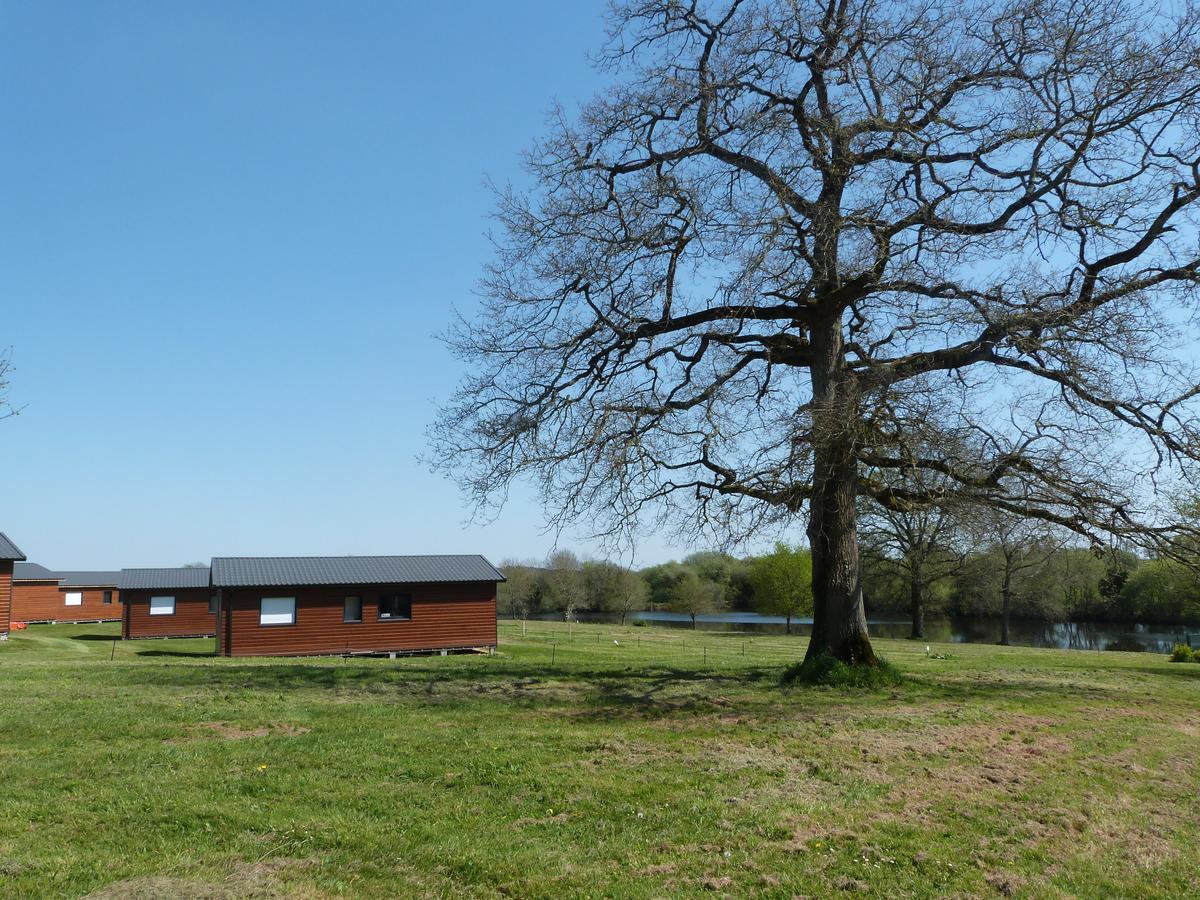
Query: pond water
{"x": 978, "y": 630}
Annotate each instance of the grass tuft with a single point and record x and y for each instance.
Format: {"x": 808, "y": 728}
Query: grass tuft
{"x": 828, "y": 671}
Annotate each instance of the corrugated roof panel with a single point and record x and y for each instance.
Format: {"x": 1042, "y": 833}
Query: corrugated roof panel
{"x": 162, "y": 579}
{"x": 27, "y": 571}
{"x": 240, "y": 571}
{"x": 9, "y": 550}
{"x": 89, "y": 579}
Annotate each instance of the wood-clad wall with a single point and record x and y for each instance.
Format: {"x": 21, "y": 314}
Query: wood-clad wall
{"x": 443, "y": 616}
{"x": 46, "y": 601}
{"x": 6, "y": 568}
{"x": 191, "y": 619}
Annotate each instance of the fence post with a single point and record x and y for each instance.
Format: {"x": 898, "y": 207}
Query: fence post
{"x": 553, "y": 648}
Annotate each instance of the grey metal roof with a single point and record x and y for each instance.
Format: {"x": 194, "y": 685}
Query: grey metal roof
{"x": 162, "y": 579}
{"x": 89, "y": 579}
{"x": 240, "y": 571}
{"x": 9, "y": 550}
{"x": 27, "y": 571}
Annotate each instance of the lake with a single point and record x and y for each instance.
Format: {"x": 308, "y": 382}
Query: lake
{"x": 976, "y": 630}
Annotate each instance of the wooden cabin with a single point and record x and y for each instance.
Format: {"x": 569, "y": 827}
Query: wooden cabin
{"x": 291, "y": 606}
{"x": 43, "y": 595}
{"x": 161, "y": 603}
{"x": 9, "y": 554}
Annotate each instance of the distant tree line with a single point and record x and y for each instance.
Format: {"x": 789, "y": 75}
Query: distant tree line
{"x": 1027, "y": 575}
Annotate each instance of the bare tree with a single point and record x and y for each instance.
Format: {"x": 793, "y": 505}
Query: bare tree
{"x": 927, "y": 542}
{"x": 6, "y": 407}
{"x": 795, "y": 242}
{"x": 564, "y": 583}
{"x": 1022, "y": 546}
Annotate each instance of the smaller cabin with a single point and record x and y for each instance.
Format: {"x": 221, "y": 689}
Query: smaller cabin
{"x": 161, "y": 603}
{"x": 293, "y": 606}
{"x": 9, "y": 554}
{"x": 43, "y": 595}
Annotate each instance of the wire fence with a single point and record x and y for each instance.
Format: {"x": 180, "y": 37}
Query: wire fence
{"x": 569, "y": 641}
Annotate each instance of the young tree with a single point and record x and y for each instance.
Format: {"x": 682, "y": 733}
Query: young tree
{"x": 563, "y": 583}
{"x": 520, "y": 592}
{"x": 696, "y": 596}
{"x": 614, "y": 588}
{"x": 793, "y": 241}
{"x": 782, "y": 581}
{"x": 926, "y": 544}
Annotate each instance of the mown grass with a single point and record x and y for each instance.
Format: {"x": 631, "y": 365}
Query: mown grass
{"x": 599, "y": 762}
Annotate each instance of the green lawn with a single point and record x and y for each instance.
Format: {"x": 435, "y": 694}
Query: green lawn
{"x": 643, "y": 763}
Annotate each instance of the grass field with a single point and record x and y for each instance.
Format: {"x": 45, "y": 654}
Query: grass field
{"x": 592, "y": 763}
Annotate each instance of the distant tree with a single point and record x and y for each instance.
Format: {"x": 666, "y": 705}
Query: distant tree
{"x": 782, "y": 581}
{"x": 696, "y": 596}
{"x": 564, "y": 585}
{"x": 731, "y": 573}
{"x": 195, "y": 565}
{"x": 661, "y": 581}
{"x": 1016, "y": 549}
{"x": 520, "y": 593}
{"x": 1162, "y": 590}
{"x": 613, "y": 588}
{"x": 926, "y": 544}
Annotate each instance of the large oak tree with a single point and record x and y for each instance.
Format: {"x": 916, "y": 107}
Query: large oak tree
{"x": 794, "y": 245}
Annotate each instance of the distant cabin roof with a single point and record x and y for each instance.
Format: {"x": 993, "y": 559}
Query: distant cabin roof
{"x": 162, "y": 579}
{"x": 8, "y": 550}
{"x": 27, "y": 571}
{"x": 280, "y": 571}
{"x": 89, "y": 579}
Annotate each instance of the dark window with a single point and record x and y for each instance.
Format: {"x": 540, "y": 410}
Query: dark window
{"x": 212, "y": 605}
{"x": 352, "y": 611}
{"x": 395, "y": 606}
{"x": 107, "y": 600}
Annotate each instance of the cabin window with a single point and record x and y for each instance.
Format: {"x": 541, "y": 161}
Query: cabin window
{"x": 352, "y": 611}
{"x": 212, "y": 605}
{"x": 162, "y": 606}
{"x": 395, "y": 606}
{"x": 277, "y": 611}
{"x": 107, "y": 598}
{"x": 73, "y": 598}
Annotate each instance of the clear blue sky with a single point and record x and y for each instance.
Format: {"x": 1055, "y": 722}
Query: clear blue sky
{"x": 229, "y": 233}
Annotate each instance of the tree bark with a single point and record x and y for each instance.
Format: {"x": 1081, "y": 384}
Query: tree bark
{"x": 839, "y": 620}
{"x": 918, "y": 608}
{"x": 1005, "y": 607}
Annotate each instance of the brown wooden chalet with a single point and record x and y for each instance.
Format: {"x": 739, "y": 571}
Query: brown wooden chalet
{"x": 279, "y": 606}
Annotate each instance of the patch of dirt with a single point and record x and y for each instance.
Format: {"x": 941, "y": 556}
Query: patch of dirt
{"x": 1004, "y": 883}
{"x": 230, "y": 732}
{"x": 254, "y": 881}
{"x": 525, "y": 822}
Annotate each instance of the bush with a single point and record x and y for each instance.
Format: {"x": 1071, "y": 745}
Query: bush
{"x": 1182, "y": 653}
{"x": 1196, "y": 655}
{"x": 830, "y": 672}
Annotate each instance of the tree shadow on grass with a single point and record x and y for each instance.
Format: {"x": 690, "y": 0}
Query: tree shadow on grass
{"x": 107, "y": 638}
{"x": 185, "y": 654}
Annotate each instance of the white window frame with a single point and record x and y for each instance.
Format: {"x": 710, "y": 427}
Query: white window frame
{"x": 73, "y": 598}
{"x": 162, "y": 609}
{"x": 277, "y": 616}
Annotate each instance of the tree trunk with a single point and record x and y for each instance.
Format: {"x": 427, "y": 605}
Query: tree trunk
{"x": 918, "y": 609}
{"x": 788, "y": 626}
{"x": 839, "y": 620}
{"x": 693, "y": 621}
{"x": 1005, "y": 607}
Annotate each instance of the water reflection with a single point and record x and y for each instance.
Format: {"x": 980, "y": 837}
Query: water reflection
{"x": 1062, "y": 635}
